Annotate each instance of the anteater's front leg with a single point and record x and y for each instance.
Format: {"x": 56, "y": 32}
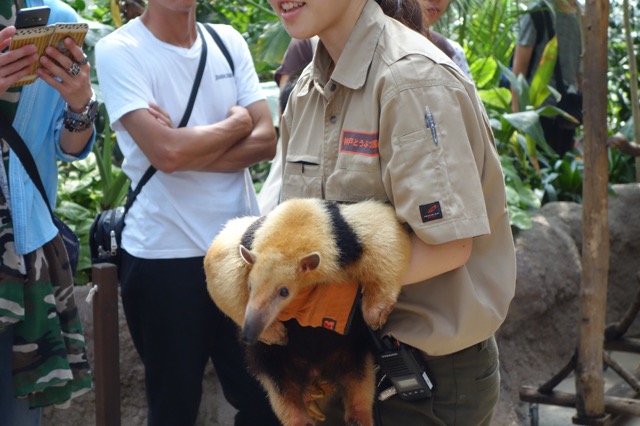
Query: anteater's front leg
{"x": 288, "y": 403}
{"x": 378, "y": 300}
{"x": 359, "y": 395}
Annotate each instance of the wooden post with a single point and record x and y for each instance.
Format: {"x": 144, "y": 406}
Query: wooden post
{"x": 106, "y": 345}
{"x": 595, "y": 248}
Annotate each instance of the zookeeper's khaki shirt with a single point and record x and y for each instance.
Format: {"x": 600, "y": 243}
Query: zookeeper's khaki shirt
{"x": 363, "y": 134}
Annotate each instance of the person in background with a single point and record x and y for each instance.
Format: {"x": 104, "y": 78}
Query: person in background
{"x": 565, "y": 23}
{"x": 382, "y": 114}
{"x": 43, "y": 358}
{"x": 146, "y": 70}
{"x": 433, "y": 11}
{"x": 297, "y": 56}
{"x": 131, "y": 8}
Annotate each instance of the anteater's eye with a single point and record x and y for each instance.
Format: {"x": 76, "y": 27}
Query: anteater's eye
{"x": 249, "y": 288}
{"x": 284, "y": 292}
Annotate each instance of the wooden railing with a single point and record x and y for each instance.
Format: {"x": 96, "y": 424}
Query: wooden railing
{"x": 106, "y": 345}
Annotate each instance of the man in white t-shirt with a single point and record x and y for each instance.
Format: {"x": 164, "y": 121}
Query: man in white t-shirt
{"x": 146, "y": 71}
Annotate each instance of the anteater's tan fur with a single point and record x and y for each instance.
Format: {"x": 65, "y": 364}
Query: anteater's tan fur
{"x": 294, "y": 248}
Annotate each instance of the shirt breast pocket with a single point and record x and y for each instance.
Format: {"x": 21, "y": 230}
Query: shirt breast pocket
{"x": 302, "y": 177}
{"x": 356, "y": 177}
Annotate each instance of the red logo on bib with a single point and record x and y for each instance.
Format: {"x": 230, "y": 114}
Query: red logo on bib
{"x": 329, "y": 324}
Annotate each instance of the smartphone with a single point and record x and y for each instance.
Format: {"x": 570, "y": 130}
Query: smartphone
{"x": 32, "y": 17}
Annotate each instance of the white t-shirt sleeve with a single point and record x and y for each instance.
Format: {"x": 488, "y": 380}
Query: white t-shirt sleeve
{"x": 121, "y": 84}
{"x": 246, "y": 78}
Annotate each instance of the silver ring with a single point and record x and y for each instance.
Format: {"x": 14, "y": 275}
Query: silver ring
{"x": 84, "y": 60}
{"x": 74, "y": 70}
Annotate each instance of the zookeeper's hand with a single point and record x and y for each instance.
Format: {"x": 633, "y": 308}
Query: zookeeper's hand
{"x": 70, "y": 77}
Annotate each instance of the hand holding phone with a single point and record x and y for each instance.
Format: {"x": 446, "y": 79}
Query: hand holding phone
{"x": 44, "y": 36}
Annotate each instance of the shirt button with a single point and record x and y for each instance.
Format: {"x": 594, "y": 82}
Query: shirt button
{"x": 333, "y": 87}
{"x": 334, "y": 119}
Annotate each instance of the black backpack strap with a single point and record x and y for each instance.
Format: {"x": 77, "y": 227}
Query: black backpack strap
{"x": 196, "y": 83}
{"x": 11, "y": 135}
{"x": 131, "y": 197}
{"x": 541, "y": 18}
{"x": 221, "y": 46}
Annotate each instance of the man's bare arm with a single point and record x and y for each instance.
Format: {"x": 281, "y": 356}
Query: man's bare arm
{"x": 521, "y": 60}
{"x": 186, "y": 148}
{"x": 258, "y": 146}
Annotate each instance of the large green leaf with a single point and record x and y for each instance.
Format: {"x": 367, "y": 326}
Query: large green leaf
{"x": 539, "y": 90}
{"x": 526, "y": 122}
{"x": 497, "y": 97}
{"x": 273, "y": 43}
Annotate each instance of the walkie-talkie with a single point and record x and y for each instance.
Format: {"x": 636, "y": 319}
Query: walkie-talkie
{"x": 401, "y": 365}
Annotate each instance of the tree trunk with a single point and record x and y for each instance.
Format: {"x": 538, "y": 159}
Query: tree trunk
{"x": 595, "y": 250}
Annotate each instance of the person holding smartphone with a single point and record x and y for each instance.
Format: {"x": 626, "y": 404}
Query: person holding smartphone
{"x": 42, "y": 351}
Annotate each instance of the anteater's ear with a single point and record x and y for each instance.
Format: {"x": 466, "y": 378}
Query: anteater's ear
{"x": 247, "y": 255}
{"x": 310, "y": 262}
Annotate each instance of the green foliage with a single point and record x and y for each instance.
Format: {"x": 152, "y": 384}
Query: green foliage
{"x": 521, "y": 198}
{"x": 76, "y": 204}
{"x": 563, "y": 181}
{"x": 487, "y": 32}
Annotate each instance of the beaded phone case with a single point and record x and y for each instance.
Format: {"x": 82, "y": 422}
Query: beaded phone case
{"x": 50, "y": 35}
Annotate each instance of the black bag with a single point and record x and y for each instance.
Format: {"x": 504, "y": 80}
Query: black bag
{"x": 69, "y": 238}
{"x": 71, "y": 242}
{"x": 105, "y": 233}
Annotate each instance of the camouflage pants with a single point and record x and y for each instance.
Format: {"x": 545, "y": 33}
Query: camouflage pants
{"x": 49, "y": 364}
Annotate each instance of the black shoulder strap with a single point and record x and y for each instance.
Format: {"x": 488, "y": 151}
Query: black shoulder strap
{"x": 221, "y": 46}
{"x": 11, "y": 135}
{"x": 185, "y": 119}
{"x": 541, "y": 18}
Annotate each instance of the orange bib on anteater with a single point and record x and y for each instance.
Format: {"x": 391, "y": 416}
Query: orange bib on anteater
{"x": 330, "y": 306}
